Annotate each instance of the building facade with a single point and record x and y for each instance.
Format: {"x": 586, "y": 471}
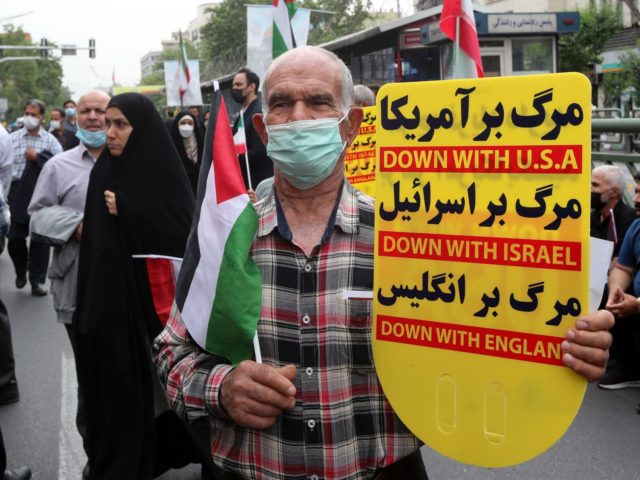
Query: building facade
{"x": 629, "y": 9}
{"x": 202, "y": 17}
{"x": 148, "y": 61}
{"x": 414, "y": 49}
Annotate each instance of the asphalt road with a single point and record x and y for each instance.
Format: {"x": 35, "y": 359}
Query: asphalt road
{"x": 39, "y": 431}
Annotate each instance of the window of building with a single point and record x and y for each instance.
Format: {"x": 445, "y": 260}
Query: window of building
{"x": 377, "y": 67}
{"x": 421, "y": 64}
{"x": 532, "y": 55}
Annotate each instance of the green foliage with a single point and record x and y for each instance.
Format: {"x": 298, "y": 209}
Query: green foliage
{"x": 614, "y": 84}
{"x": 580, "y": 50}
{"x": 224, "y": 37}
{"x": 625, "y": 81}
{"x": 631, "y": 64}
{"x": 22, "y": 80}
{"x": 350, "y": 16}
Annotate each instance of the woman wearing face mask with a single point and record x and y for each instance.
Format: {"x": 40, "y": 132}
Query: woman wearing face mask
{"x": 188, "y": 141}
{"x": 139, "y": 204}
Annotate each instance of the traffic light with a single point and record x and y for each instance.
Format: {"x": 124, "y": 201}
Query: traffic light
{"x": 44, "y": 53}
{"x": 92, "y": 48}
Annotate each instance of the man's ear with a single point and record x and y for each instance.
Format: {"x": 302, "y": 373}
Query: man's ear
{"x": 261, "y": 129}
{"x": 353, "y": 127}
{"x": 617, "y": 192}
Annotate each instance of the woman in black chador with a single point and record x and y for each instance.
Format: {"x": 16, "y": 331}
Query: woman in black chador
{"x": 139, "y": 203}
{"x": 188, "y": 141}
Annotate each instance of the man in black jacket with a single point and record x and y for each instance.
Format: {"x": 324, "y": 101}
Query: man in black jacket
{"x": 610, "y": 216}
{"x": 32, "y": 147}
{"x": 245, "y": 92}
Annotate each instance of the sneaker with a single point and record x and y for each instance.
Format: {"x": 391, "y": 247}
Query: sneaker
{"x": 38, "y": 290}
{"x": 615, "y": 379}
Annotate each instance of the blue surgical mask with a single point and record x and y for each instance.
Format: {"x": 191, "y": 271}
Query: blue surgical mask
{"x": 92, "y": 139}
{"x": 306, "y": 151}
{"x": 70, "y": 112}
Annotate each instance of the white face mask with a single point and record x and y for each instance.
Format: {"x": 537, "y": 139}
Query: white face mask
{"x": 30, "y": 122}
{"x": 185, "y": 130}
{"x": 54, "y": 124}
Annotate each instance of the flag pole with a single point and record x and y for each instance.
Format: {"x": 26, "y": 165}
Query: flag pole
{"x": 456, "y": 51}
{"x": 246, "y": 154}
{"x": 180, "y": 65}
{"x": 246, "y": 160}
{"x": 256, "y": 348}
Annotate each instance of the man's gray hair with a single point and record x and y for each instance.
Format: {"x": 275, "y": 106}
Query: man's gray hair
{"x": 34, "y": 102}
{"x": 346, "y": 95}
{"x": 612, "y": 175}
{"x": 363, "y": 96}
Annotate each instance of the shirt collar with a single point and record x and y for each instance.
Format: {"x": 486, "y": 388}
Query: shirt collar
{"x": 85, "y": 154}
{"x": 25, "y": 132}
{"x": 345, "y": 214}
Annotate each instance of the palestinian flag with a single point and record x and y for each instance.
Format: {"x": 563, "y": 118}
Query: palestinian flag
{"x": 219, "y": 290}
{"x": 469, "y": 61}
{"x": 282, "y": 36}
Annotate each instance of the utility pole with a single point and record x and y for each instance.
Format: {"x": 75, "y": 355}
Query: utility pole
{"x": 15, "y": 16}
{"x": 45, "y": 49}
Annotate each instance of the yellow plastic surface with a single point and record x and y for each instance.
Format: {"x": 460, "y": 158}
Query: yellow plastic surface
{"x": 469, "y": 318}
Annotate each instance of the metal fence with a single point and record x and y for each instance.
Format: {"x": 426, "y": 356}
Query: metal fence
{"x": 615, "y": 140}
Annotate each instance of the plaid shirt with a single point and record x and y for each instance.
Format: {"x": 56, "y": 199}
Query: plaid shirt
{"x": 40, "y": 142}
{"x": 342, "y": 426}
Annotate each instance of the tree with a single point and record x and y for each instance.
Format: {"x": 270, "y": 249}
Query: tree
{"x": 224, "y": 37}
{"x": 23, "y": 80}
{"x": 614, "y": 84}
{"x": 346, "y": 17}
{"x": 631, "y": 68}
{"x": 581, "y": 50}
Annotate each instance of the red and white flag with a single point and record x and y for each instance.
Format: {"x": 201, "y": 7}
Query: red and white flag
{"x": 240, "y": 138}
{"x": 465, "y": 37}
{"x": 162, "y": 273}
{"x": 184, "y": 75}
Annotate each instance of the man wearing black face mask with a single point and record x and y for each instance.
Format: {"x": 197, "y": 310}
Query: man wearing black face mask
{"x": 610, "y": 216}
{"x": 245, "y": 92}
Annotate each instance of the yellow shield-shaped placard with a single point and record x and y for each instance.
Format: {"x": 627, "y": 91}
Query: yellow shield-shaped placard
{"x": 482, "y": 194}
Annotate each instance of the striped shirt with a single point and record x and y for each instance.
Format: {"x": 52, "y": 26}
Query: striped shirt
{"x": 342, "y": 426}
{"x": 40, "y": 142}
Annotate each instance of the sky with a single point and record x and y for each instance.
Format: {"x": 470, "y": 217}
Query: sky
{"x": 124, "y": 31}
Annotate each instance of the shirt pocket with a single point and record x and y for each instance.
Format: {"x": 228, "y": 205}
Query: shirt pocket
{"x": 356, "y": 351}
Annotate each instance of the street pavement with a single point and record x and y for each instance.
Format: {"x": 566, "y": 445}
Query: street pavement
{"x": 39, "y": 431}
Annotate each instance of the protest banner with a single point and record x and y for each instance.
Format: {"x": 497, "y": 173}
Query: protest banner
{"x": 360, "y": 159}
{"x": 482, "y": 259}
